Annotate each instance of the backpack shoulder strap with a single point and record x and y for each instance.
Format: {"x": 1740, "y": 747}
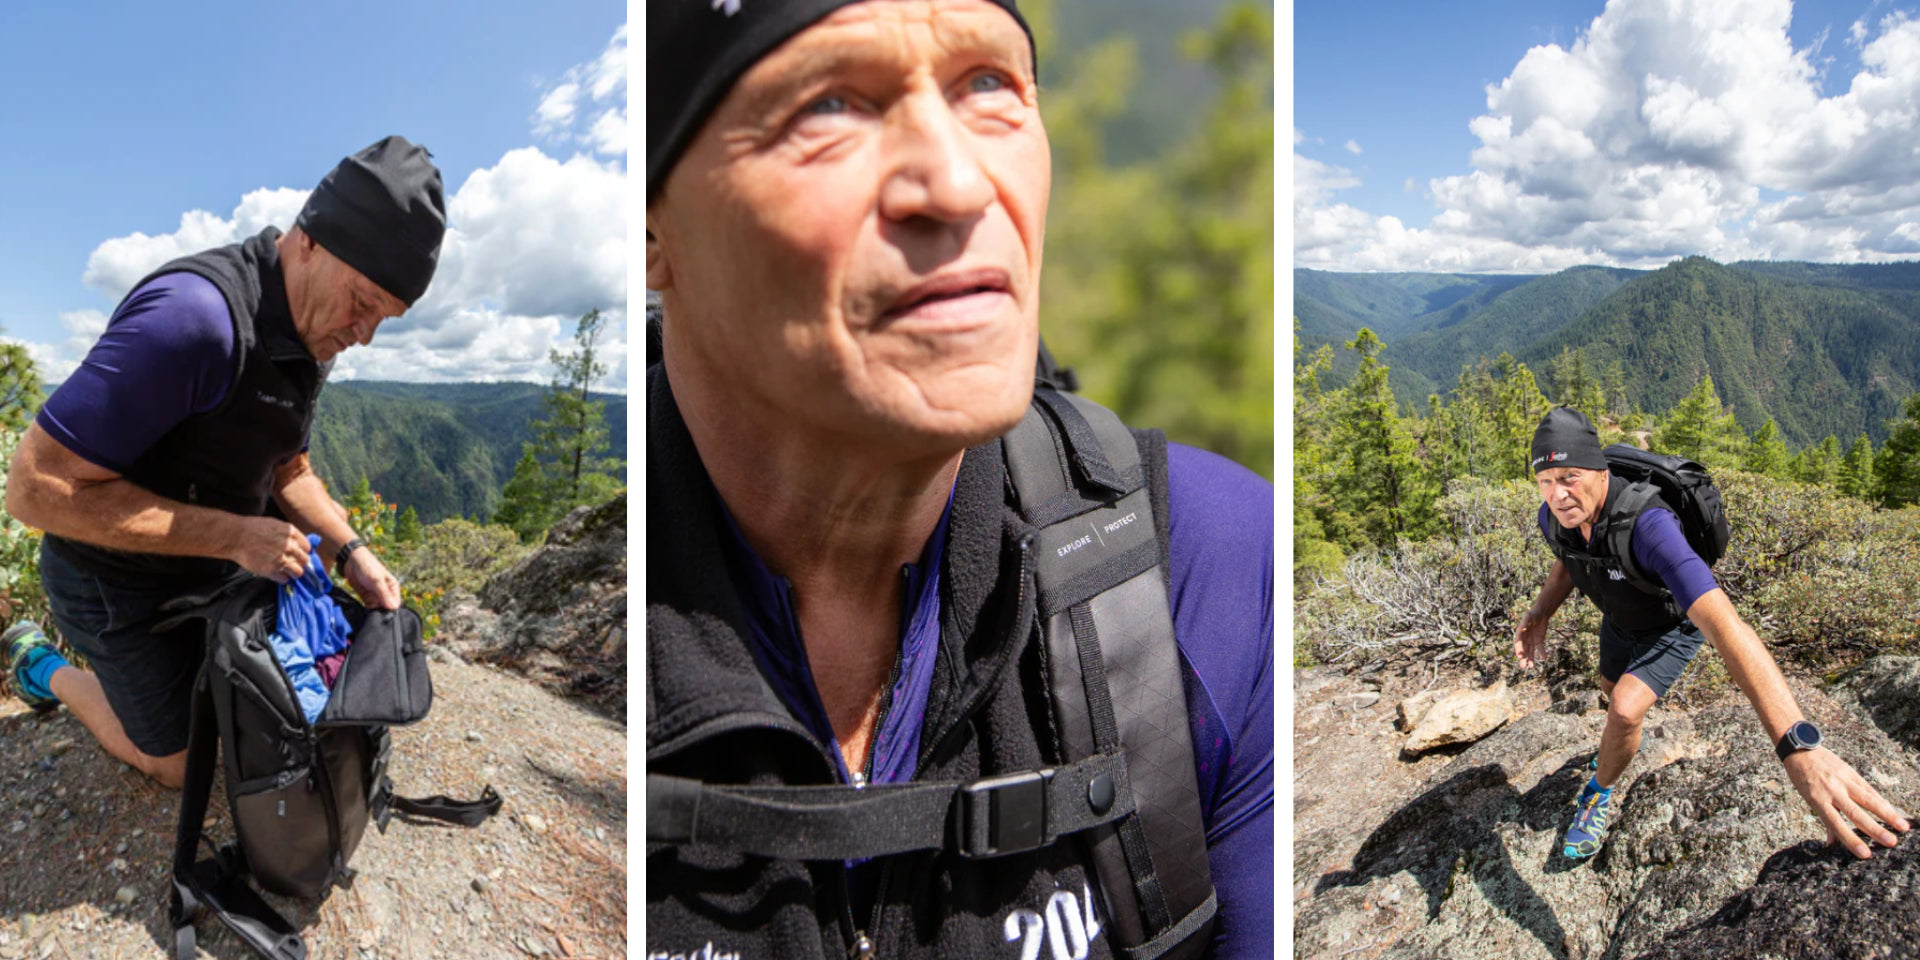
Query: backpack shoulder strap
{"x": 1114, "y": 667}
{"x": 1632, "y": 502}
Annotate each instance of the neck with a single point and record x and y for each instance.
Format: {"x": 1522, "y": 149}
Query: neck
{"x": 837, "y": 517}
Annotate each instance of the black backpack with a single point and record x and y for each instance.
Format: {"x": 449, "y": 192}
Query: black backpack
{"x": 300, "y": 793}
{"x": 1686, "y": 488}
{"x": 1127, "y": 789}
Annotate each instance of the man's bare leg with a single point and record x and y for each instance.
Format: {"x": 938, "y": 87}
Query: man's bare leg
{"x": 80, "y": 692}
{"x": 1627, "y": 704}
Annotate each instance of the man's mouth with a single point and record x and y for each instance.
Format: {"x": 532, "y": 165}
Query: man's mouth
{"x": 957, "y": 297}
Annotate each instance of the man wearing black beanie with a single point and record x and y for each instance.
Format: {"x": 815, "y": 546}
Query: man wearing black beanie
{"x": 170, "y": 457}
{"x": 941, "y": 664}
{"x": 1622, "y": 545}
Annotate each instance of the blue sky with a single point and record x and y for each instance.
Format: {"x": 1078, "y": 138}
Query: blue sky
{"x": 1402, "y": 82}
{"x": 120, "y": 118}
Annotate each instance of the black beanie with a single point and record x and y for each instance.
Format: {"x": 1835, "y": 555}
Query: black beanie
{"x": 383, "y": 212}
{"x": 696, "y": 49}
{"x": 1566, "y": 438}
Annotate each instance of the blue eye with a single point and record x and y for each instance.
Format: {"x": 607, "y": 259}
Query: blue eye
{"x": 987, "y": 83}
{"x": 826, "y": 106}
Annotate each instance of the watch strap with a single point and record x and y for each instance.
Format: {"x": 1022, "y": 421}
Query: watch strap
{"x": 340, "y": 559}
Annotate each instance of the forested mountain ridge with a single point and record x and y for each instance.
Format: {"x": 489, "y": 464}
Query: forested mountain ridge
{"x": 444, "y": 449}
{"x": 1823, "y": 349}
{"x": 1817, "y": 359}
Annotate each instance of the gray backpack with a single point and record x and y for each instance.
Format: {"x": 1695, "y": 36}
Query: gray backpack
{"x": 300, "y": 794}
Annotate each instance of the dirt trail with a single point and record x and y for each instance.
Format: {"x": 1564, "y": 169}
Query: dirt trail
{"x": 86, "y": 844}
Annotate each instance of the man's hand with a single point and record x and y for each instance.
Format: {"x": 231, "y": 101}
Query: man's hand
{"x": 1837, "y": 794}
{"x": 271, "y": 548}
{"x": 1530, "y": 639}
{"x": 377, "y": 588}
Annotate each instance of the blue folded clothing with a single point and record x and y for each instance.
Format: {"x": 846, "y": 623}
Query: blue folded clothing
{"x": 310, "y": 626}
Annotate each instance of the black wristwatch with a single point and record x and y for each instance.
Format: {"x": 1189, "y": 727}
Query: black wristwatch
{"x": 340, "y": 559}
{"x": 1801, "y": 736}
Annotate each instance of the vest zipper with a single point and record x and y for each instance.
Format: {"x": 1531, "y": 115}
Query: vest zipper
{"x": 1021, "y": 598}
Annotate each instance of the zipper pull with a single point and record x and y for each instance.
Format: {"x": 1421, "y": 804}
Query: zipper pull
{"x": 862, "y": 948}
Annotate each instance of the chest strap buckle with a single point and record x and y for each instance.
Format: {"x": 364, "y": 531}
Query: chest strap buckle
{"x": 1002, "y": 815}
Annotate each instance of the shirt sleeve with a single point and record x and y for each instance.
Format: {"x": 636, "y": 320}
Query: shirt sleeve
{"x": 166, "y": 355}
{"x": 1221, "y": 557}
{"x": 1660, "y": 548}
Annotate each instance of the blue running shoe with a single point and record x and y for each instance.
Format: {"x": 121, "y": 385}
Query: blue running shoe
{"x": 1589, "y": 829}
{"x": 25, "y": 648}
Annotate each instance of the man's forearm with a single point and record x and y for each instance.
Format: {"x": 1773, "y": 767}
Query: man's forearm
{"x": 1749, "y": 664}
{"x": 121, "y": 515}
{"x": 1554, "y": 592}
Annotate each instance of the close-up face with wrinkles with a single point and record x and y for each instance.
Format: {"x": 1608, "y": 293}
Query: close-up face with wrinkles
{"x": 334, "y": 306}
{"x": 1574, "y": 495}
{"x": 853, "y": 238}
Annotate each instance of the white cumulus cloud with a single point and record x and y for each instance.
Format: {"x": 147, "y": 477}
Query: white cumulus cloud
{"x": 1652, "y": 136}
{"x": 533, "y": 242}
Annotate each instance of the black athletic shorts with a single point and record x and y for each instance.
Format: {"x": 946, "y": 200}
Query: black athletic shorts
{"x": 148, "y": 678}
{"x": 1656, "y": 658}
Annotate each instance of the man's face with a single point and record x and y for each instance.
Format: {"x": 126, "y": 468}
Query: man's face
{"x": 854, "y": 237}
{"x": 334, "y": 305}
{"x": 1574, "y": 494}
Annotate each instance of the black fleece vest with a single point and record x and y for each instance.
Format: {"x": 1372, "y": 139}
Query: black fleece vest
{"x": 712, "y": 716}
{"x": 225, "y": 458}
{"x": 1596, "y": 566}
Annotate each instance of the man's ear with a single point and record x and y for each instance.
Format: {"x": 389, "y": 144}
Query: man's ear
{"x": 659, "y": 274}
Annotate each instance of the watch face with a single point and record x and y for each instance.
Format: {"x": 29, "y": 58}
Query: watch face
{"x": 1806, "y": 735}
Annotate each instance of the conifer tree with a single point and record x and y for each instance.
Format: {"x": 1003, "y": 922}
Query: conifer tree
{"x": 1896, "y": 470}
{"x": 524, "y": 503}
{"x": 407, "y": 529}
{"x": 1766, "y": 452}
{"x": 1375, "y": 475}
{"x": 1698, "y": 427}
{"x": 1856, "y": 475}
{"x": 1816, "y": 463}
{"x": 1316, "y": 537}
{"x": 1573, "y": 387}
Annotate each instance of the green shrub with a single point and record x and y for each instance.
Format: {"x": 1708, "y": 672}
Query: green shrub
{"x": 452, "y": 555}
{"x": 1823, "y": 578}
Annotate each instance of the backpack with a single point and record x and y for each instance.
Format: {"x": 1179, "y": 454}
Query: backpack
{"x": 300, "y": 794}
{"x": 1127, "y": 788}
{"x": 1686, "y": 488}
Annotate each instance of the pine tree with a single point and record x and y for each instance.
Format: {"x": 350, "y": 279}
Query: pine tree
{"x": 1766, "y": 452}
{"x": 525, "y": 504}
{"x": 1896, "y": 470}
{"x": 20, "y": 392}
{"x": 1573, "y": 387}
{"x": 407, "y": 530}
{"x": 1857, "y": 473}
{"x": 1816, "y": 464}
{"x": 1376, "y": 477}
{"x": 571, "y": 441}
{"x": 1699, "y": 428}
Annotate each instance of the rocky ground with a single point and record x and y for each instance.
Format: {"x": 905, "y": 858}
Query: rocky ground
{"x": 559, "y": 615}
{"x": 525, "y": 680}
{"x": 1455, "y": 853}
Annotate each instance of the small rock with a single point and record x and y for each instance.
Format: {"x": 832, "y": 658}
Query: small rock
{"x": 126, "y": 895}
{"x": 600, "y": 834}
{"x": 1359, "y": 701}
{"x": 1461, "y": 716}
{"x": 473, "y": 736}
{"x": 39, "y": 809}
{"x": 1415, "y": 707}
{"x": 16, "y": 826}
{"x": 481, "y": 884}
{"x": 534, "y": 823}
{"x": 60, "y": 746}
{"x": 117, "y": 865}
{"x": 120, "y": 847}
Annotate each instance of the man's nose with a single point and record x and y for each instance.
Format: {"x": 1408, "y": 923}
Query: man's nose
{"x": 933, "y": 169}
